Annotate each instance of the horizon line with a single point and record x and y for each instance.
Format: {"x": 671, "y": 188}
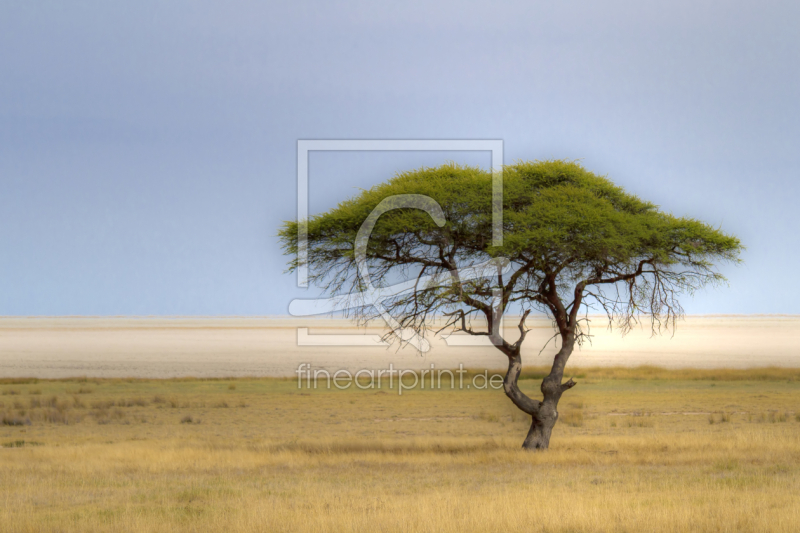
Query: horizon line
{"x": 324, "y": 317}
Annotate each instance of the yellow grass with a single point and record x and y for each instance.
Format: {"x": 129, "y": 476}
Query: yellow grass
{"x": 635, "y": 450}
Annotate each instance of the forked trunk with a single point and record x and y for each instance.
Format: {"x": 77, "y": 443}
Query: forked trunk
{"x": 544, "y": 414}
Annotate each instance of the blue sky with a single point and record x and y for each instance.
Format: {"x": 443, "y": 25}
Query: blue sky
{"x": 148, "y": 149}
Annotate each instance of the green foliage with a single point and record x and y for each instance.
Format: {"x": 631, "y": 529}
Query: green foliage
{"x": 564, "y": 228}
{"x": 558, "y": 207}
{"x": 549, "y": 208}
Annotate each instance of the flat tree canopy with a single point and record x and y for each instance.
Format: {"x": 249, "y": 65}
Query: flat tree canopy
{"x": 571, "y": 241}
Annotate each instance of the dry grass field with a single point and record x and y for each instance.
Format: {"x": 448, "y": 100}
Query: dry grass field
{"x": 642, "y": 449}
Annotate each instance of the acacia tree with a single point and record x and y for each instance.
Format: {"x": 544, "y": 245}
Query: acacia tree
{"x": 572, "y": 241}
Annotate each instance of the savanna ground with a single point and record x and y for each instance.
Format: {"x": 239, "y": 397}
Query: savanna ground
{"x": 634, "y": 450}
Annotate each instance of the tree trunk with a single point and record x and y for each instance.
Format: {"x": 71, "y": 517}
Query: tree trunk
{"x": 541, "y": 427}
{"x": 544, "y": 414}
